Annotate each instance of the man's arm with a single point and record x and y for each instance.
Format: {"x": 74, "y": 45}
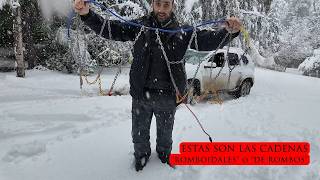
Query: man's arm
{"x": 210, "y": 40}
{"x": 119, "y": 31}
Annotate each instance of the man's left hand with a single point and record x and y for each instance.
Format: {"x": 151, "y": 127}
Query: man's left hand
{"x": 233, "y": 24}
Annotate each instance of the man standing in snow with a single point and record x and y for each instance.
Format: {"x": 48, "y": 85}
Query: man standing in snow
{"x": 151, "y": 88}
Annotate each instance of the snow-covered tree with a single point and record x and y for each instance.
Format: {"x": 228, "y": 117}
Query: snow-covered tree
{"x": 299, "y": 30}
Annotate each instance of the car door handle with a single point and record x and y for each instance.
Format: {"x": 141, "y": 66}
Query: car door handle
{"x": 209, "y": 67}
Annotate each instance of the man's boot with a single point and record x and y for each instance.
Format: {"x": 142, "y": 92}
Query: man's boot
{"x": 141, "y": 163}
{"x": 163, "y": 157}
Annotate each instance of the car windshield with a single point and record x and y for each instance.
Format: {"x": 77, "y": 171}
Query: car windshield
{"x": 193, "y": 56}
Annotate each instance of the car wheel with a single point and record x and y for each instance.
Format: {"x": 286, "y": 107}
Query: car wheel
{"x": 194, "y": 91}
{"x": 245, "y": 89}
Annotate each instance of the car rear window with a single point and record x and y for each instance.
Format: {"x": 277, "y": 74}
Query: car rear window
{"x": 244, "y": 59}
{"x": 218, "y": 59}
{"x": 233, "y": 59}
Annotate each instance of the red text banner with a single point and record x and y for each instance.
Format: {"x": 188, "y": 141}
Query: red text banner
{"x": 242, "y": 153}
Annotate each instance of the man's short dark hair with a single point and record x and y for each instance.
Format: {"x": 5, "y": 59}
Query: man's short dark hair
{"x": 172, "y": 1}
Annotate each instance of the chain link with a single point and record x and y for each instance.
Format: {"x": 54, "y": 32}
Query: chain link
{"x": 103, "y": 26}
{"x": 114, "y": 81}
{"x": 167, "y": 62}
{"x": 80, "y": 55}
{"x": 230, "y": 68}
{"x": 109, "y": 30}
{"x": 190, "y": 86}
{"x": 137, "y": 37}
{"x": 139, "y": 34}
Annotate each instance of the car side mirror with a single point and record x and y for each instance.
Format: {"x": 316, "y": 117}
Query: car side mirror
{"x": 210, "y": 65}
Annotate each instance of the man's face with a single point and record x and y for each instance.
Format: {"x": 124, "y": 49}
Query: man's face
{"x": 162, "y": 9}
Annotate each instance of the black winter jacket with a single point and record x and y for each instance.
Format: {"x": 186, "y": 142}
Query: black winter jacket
{"x": 149, "y": 69}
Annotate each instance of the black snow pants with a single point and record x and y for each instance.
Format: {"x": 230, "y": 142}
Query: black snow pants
{"x": 162, "y": 105}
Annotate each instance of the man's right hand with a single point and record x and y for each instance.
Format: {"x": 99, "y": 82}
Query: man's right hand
{"x": 81, "y": 7}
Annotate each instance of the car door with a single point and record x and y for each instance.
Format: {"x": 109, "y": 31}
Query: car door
{"x": 234, "y": 73}
{"x": 213, "y": 77}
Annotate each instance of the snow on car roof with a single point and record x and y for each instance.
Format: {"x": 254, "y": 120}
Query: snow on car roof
{"x": 193, "y": 56}
{"x": 231, "y": 50}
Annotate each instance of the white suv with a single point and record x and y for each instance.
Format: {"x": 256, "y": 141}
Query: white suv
{"x": 235, "y": 76}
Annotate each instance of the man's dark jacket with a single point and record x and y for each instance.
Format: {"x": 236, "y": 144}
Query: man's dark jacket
{"x": 149, "y": 68}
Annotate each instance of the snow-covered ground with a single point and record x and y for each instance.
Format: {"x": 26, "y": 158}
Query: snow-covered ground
{"x": 49, "y": 130}
{"x": 293, "y": 71}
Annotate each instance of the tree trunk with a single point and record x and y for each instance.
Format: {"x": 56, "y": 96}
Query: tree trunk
{"x": 30, "y": 55}
{"x": 17, "y": 26}
{"x": 30, "y": 16}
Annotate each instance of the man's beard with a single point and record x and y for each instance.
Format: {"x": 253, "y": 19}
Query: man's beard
{"x": 162, "y": 17}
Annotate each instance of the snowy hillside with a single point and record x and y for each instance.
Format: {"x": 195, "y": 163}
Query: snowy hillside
{"x": 49, "y": 131}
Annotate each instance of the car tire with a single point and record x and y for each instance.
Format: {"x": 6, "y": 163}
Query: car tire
{"x": 195, "y": 91}
{"x": 244, "y": 89}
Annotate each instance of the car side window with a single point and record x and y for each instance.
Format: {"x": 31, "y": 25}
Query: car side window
{"x": 244, "y": 59}
{"x": 218, "y": 59}
{"x": 233, "y": 59}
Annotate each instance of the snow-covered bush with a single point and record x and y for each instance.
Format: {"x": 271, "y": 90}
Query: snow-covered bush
{"x": 311, "y": 66}
{"x": 73, "y": 53}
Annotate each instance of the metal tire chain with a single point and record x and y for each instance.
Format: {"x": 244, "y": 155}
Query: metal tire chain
{"x": 228, "y": 61}
{"x": 100, "y": 81}
{"x": 198, "y": 68}
{"x": 181, "y": 98}
{"x": 194, "y": 34}
{"x": 71, "y": 46}
{"x": 135, "y": 40}
{"x": 175, "y": 86}
{"x": 79, "y": 56}
{"x": 120, "y": 64}
{"x": 230, "y": 68}
{"x": 98, "y": 78}
{"x": 215, "y": 54}
{"x": 167, "y": 62}
{"x": 100, "y": 71}
{"x": 219, "y": 100}
{"x": 195, "y": 37}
